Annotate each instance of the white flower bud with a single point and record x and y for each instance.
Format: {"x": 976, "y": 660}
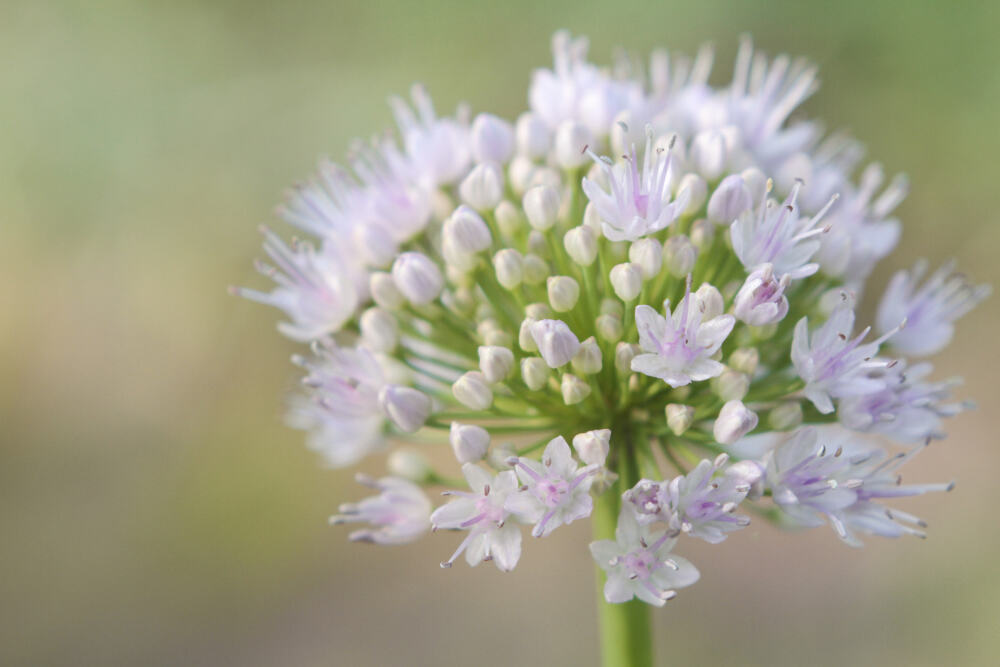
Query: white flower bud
{"x": 409, "y": 464}
{"x": 536, "y": 269}
{"x": 509, "y": 218}
{"x": 709, "y": 301}
{"x": 626, "y": 279}
{"x": 679, "y": 255}
{"x": 592, "y": 219}
{"x": 495, "y": 362}
{"x": 556, "y": 343}
{"x": 626, "y": 130}
{"x": 498, "y": 338}
{"x": 624, "y": 354}
{"x": 379, "y": 330}
{"x": 609, "y": 328}
{"x": 745, "y": 360}
{"x": 509, "y": 267}
{"x": 709, "y": 154}
{"x": 613, "y": 307}
{"x": 731, "y": 385}
{"x": 458, "y": 262}
{"x": 647, "y": 253}
{"x": 749, "y": 473}
{"x": 384, "y": 291}
{"x": 538, "y": 311}
{"x": 469, "y": 442}
{"x": 482, "y": 188}
{"x": 592, "y": 447}
{"x": 702, "y": 233}
{"x": 573, "y": 389}
{"x": 735, "y": 421}
{"x": 417, "y": 277}
{"x": 541, "y": 206}
{"x": 587, "y": 359}
{"x": 729, "y": 200}
{"x": 492, "y": 139}
{"x": 405, "y": 407}
{"x": 499, "y": 455}
{"x": 572, "y": 140}
{"x": 697, "y": 192}
{"x": 467, "y": 231}
{"x": 679, "y": 417}
{"x": 533, "y": 136}
{"x": 520, "y": 173}
{"x": 785, "y": 416}
{"x": 376, "y": 245}
{"x": 535, "y": 372}
{"x": 441, "y": 204}
{"x": 524, "y": 338}
{"x": 756, "y": 183}
{"x": 472, "y": 391}
{"x": 581, "y": 245}
{"x": 564, "y": 292}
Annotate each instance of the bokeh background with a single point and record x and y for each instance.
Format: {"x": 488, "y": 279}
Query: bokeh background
{"x": 155, "y": 510}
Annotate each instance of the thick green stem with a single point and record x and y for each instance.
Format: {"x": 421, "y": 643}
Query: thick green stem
{"x": 626, "y": 636}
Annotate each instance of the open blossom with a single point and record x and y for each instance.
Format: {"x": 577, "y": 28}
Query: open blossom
{"x": 930, "y": 309}
{"x": 639, "y": 202}
{"x": 483, "y": 513}
{"x": 556, "y": 490}
{"x": 678, "y": 348}
{"x": 640, "y": 564}
{"x": 399, "y": 514}
{"x": 438, "y": 148}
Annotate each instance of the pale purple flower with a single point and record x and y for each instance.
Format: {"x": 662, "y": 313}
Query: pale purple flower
{"x": 397, "y": 203}
{"x": 483, "y": 513}
{"x": 678, "y": 348}
{"x": 777, "y": 235}
{"x": 399, "y": 514}
{"x": 556, "y": 491}
{"x": 761, "y": 300}
{"x": 930, "y": 309}
{"x": 832, "y": 364}
{"x": 639, "y": 202}
{"x": 639, "y": 564}
{"x": 438, "y": 149}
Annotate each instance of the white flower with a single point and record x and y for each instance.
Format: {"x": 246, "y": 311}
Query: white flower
{"x": 400, "y": 513}
{"x": 556, "y": 343}
{"x": 482, "y": 512}
{"x": 469, "y": 442}
{"x": 555, "y": 492}
{"x": 492, "y": 139}
{"x": 417, "y": 277}
{"x": 639, "y": 564}
{"x": 729, "y": 200}
{"x": 735, "y": 420}
{"x": 437, "y": 148}
{"x": 592, "y": 447}
{"x": 930, "y": 309}
{"x": 761, "y": 300}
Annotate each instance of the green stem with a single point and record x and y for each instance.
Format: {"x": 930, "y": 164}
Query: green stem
{"x": 626, "y": 635}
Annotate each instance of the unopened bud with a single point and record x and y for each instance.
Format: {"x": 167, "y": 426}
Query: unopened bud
{"x": 609, "y": 328}
{"x": 702, "y": 234}
{"x": 745, "y": 360}
{"x": 535, "y": 372}
{"x": 509, "y": 267}
{"x": 556, "y": 343}
{"x": 709, "y": 154}
{"x": 729, "y": 200}
{"x": 417, "y": 277}
{"x": 731, "y": 385}
{"x": 679, "y": 255}
{"x": 756, "y": 183}
{"x": 624, "y": 354}
{"x": 564, "y": 292}
{"x": 626, "y": 279}
{"x": 409, "y": 464}
{"x": 592, "y": 447}
{"x": 472, "y": 391}
{"x": 679, "y": 417}
{"x": 697, "y": 192}
{"x": 520, "y": 173}
{"x": 592, "y": 219}
{"x": 405, "y": 407}
{"x": 735, "y": 421}
{"x": 709, "y": 301}
{"x": 492, "y": 139}
{"x": 384, "y": 291}
{"x": 533, "y": 136}
{"x": 541, "y": 206}
{"x": 469, "y": 442}
{"x": 571, "y": 141}
{"x": 509, "y": 218}
{"x": 785, "y": 416}
{"x": 379, "y": 330}
{"x": 587, "y": 359}
{"x": 524, "y": 338}
{"x": 538, "y": 310}
{"x": 581, "y": 245}
{"x": 647, "y": 253}
{"x": 466, "y": 230}
{"x": 536, "y": 269}
{"x": 574, "y": 390}
{"x": 495, "y": 362}
{"x": 482, "y": 188}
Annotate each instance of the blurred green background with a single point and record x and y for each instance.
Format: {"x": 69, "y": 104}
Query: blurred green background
{"x": 154, "y": 509}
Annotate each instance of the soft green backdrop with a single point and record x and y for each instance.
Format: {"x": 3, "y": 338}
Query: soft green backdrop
{"x": 155, "y": 511}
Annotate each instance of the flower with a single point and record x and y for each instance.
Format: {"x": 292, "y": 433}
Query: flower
{"x": 437, "y": 148}
{"x": 640, "y": 564}
{"x": 484, "y": 515}
{"x": 761, "y": 300}
{"x": 400, "y": 513}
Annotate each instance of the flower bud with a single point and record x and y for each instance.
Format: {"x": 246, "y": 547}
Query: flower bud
{"x": 731, "y": 385}
{"x": 495, "y": 362}
{"x": 592, "y": 447}
{"x": 376, "y": 245}
{"x": 498, "y": 338}
{"x": 626, "y": 279}
{"x": 441, "y": 205}
{"x": 697, "y": 192}
{"x": 702, "y": 233}
{"x": 587, "y": 359}
{"x": 745, "y": 360}
{"x": 498, "y": 455}
{"x": 647, "y": 254}
{"x": 564, "y": 292}
{"x": 469, "y": 442}
{"x": 785, "y": 416}
{"x": 756, "y": 183}
{"x": 509, "y": 267}
{"x": 571, "y": 141}
{"x": 729, "y": 200}
{"x": 612, "y": 307}
{"x": 679, "y": 255}
{"x": 417, "y": 277}
{"x": 492, "y": 139}
{"x": 538, "y": 243}
{"x": 709, "y": 301}
{"x": 538, "y": 311}
{"x": 679, "y": 417}
{"x": 592, "y": 219}
{"x": 379, "y": 330}
{"x": 535, "y": 372}
{"x": 520, "y": 173}
{"x": 533, "y": 136}
{"x": 581, "y": 245}
{"x": 536, "y": 269}
{"x": 409, "y": 464}
{"x": 709, "y": 154}
{"x": 735, "y": 421}
{"x": 405, "y": 407}
{"x": 472, "y": 391}
{"x": 509, "y": 218}
{"x": 609, "y": 328}
{"x": 748, "y": 473}
{"x": 467, "y": 231}
{"x": 384, "y": 291}
{"x": 524, "y": 338}
{"x": 458, "y": 262}
{"x": 624, "y": 354}
{"x": 574, "y": 390}
{"x": 541, "y": 206}
{"x": 761, "y": 300}
{"x": 556, "y": 343}
{"x": 482, "y": 188}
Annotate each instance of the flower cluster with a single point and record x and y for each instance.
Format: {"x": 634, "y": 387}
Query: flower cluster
{"x": 664, "y": 270}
